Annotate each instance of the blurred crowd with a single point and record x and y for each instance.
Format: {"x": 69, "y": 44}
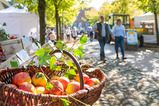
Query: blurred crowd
{"x": 70, "y": 33}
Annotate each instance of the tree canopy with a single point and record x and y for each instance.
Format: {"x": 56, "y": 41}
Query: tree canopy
{"x": 148, "y": 5}
{"x": 117, "y": 6}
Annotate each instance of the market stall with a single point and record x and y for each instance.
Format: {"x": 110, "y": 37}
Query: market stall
{"x": 20, "y": 22}
{"x": 147, "y": 21}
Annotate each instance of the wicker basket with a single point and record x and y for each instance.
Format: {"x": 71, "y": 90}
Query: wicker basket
{"x": 10, "y": 96}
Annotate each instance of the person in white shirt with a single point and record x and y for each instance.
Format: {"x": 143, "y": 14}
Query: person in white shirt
{"x": 74, "y": 33}
{"x": 119, "y": 33}
{"x": 68, "y": 33}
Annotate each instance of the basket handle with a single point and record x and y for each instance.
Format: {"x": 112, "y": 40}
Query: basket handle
{"x": 76, "y": 63}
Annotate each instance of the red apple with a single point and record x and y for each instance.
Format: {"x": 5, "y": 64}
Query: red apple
{"x": 65, "y": 81}
{"x": 85, "y": 78}
{"x": 73, "y": 87}
{"x": 27, "y": 87}
{"x": 92, "y": 81}
{"x": 20, "y": 78}
{"x": 55, "y": 90}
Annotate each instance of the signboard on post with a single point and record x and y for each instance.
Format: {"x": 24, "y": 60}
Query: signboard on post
{"x": 132, "y": 38}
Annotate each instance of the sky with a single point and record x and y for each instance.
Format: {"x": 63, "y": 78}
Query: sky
{"x": 98, "y": 3}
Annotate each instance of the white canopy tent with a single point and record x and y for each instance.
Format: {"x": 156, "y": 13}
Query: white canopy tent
{"x": 146, "y": 18}
{"x": 20, "y": 22}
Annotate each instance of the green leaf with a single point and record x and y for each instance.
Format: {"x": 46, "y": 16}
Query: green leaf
{"x": 70, "y": 73}
{"x": 38, "y": 75}
{"x": 54, "y": 100}
{"x": 70, "y": 63}
{"x": 43, "y": 55}
{"x": 49, "y": 86}
{"x": 62, "y": 59}
{"x": 14, "y": 63}
{"x": 52, "y": 62}
{"x": 4, "y": 24}
{"x": 60, "y": 45}
{"x": 83, "y": 39}
{"x": 81, "y": 48}
{"x": 36, "y": 70}
{"x": 47, "y": 49}
{"x": 78, "y": 52}
{"x": 43, "y": 60}
{"x": 65, "y": 102}
{"x": 90, "y": 69}
{"x": 40, "y": 53}
{"x": 68, "y": 49}
{"x": 75, "y": 67}
{"x": 95, "y": 103}
{"x": 58, "y": 68}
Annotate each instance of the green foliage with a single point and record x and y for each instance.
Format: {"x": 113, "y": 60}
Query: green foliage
{"x": 3, "y": 35}
{"x": 79, "y": 52}
{"x": 52, "y": 62}
{"x": 131, "y": 7}
{"x": 127, "y": 7}
{"x": 36, "y": 70}
{"x": 65, "y": 102}
{"x": 14, "y": 63}
{"x": 92, "y": 16}
{"x": 70, "y": 63}
{"x": 4, "y": 24}
{"x": 43, "y": 55}
{"x": 83, "y": 39}
{"x": 49, "y": 86}
{"x": 106, "y": 9}
{"x": 60, "y": 45}
{"x": 148, "y": 5}
{"x": 70, "y": 74}
{"x": 95, "y": 103}
{"x": 58, "y": 68}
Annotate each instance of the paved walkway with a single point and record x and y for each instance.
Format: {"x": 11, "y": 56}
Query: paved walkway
{"x": 131, "y": 83}
{"x": 145, "y": 59}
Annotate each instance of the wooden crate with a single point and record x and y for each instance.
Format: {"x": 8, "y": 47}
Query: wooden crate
{"x": 131, "y": 47}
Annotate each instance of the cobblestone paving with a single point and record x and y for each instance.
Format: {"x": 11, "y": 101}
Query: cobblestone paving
{"x": 126, "y": 85}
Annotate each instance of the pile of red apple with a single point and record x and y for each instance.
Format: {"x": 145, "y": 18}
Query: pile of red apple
{"x": 37, "y": 84}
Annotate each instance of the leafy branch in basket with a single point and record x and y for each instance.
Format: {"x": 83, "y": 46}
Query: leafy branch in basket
{"x": 60, "y": 63}
{"x": 55, "y": 62}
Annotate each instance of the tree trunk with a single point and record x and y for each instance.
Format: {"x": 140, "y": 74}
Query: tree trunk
{"x": 60, "y": 28}
{"x": 57, "y": 23}
{"x": 41, "y": 11}
{"x": 156, "y": 26}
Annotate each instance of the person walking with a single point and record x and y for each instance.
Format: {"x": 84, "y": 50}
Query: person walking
{"x": 90, "y": 33}
{"x": 103, "y": 30}
{"x": 120, "y": 37}
{"x": 74, "y": 33}
{"x": 68, "y": 33}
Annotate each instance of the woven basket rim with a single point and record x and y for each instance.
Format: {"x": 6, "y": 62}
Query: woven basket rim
{"x": 80, "y": 92}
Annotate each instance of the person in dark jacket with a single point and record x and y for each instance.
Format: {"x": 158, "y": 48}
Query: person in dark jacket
{"x": 103, "y": 30}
